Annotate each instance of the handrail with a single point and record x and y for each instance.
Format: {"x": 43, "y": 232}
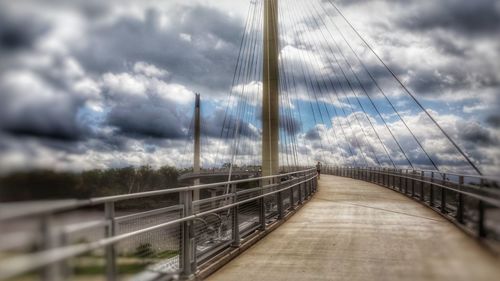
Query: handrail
{"x": 487, "y": 177}
{"x": 53, "y": 256}
{"x": 11, "y": 211}
{"x": 436, "y": 184}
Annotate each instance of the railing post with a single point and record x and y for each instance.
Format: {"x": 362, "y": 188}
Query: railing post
{"x": 391, "y": 178}
{"x": 413, "y": 183}
{"x": 279, "y": 199}
{"x": 301, "y": 197}
{"x": 422, "y": 192}
{"x": 378, "y": 175}
{"x": 236, "y": 221}
{"x": 406, "y": 182}
{"x": 394, "y": 172}
{"x": 52, "y": 271}
{"x": 111, "y": 269}
{"x": 386, "y": 177}
{"x": 460, "y": 207}
{"x": 443, "y": 195}
{"x": 188, "y": 250}
{"x": 382, "y": 176}
{"x": 308, "y": 188}
{"x": 431, "y": 195}
{"x": 315, "y": 185}
{"x": 262, "y": 214}
{"x": 481, "y": 231}
{"x": 400, "y": 180}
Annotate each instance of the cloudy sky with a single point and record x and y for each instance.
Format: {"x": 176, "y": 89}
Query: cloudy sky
{"x": 96, "y": 84}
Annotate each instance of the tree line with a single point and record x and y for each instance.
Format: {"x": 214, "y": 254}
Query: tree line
{"x": 48, "y": 184}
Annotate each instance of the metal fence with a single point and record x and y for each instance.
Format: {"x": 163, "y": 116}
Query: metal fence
{"x": 143, "y": 236}
{"x": 471, "y": 202}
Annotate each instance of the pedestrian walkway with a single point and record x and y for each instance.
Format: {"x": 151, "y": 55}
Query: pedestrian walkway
{"x": 354, "y": 230}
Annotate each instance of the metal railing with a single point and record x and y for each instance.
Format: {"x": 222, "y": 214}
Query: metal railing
{"x": 143, "y": 236}
{"x": 471, "y": 202}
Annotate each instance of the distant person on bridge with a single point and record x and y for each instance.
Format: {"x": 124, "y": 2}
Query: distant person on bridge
{"x": 318, "y": 169}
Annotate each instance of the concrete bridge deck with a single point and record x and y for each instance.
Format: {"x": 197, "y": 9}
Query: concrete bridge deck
{"x": 354, "y": 230}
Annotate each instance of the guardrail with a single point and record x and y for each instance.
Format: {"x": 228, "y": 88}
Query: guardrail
{"x": 471, "y": 202}
{"x": 144, "y": 236}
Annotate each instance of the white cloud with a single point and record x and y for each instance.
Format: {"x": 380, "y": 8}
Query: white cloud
{"x": 123, "y": 83}
{"x": 149, "y": 70}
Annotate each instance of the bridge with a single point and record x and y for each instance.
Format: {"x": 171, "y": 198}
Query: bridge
{"x": 388, "y": 205}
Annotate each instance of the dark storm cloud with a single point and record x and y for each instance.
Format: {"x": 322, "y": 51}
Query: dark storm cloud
{"x": 147, "y": 120}
{"x": 448, "y": 46}
{"x": 312, "y": 134}
{"x": 494, "y": 120}
{"x": 290, "y": 125}
{"x": 19, "y": 33}
{"x": 479, "y": 17}
{"x": 478, "y": 135}
{"x": 53, "y": 116}
{"x": 220, "y": 125}
{"x": 206, "y": 60}
{"x": 203, "y": 55}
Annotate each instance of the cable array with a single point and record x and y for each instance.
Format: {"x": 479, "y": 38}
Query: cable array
{"x": 333, "y": 107}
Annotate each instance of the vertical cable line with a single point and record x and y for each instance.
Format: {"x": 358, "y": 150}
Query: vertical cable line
{"x": 257, "y": 77}
{"x": 255, "y": 100}
{"x": 242, "y": 105}
{"x": 290, "y": 126}
{"x": 285, "y": 105}
{"x": 372, "y": 103}
{"x": 233, "y": 124}
{"x": 348, "y": 100}
{"x": 409, "y": 93}
{"x": 308, "y": 78}
{"x": 249, "y": 113}
{"x": 334, "y": 131}
{"x": 358, "y": 80}
{"x": 284, "y": 120}
{"x": 345, "y": 114}
{"x": 309, "y": 94}
{"x": 240, "y": 100}
{"x": 185, "y": 157}
{"x": 336, "y": 114}
{"x": 286, "y": 110}
{"x": 362, "y": 153}
{"x": 236, "y": 73}
{"x": 405, "y": 124}
{"x": 290, "y": 115}
{"x": 293, "y": 82}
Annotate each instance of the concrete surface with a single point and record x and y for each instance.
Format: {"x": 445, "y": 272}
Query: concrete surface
{"x": 353, "y": 230}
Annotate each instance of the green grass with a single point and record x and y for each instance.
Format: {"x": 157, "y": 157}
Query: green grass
{"x": 97, "y": 269}
{"x": 167, "y": 254}
{"x": 93, "y": 265}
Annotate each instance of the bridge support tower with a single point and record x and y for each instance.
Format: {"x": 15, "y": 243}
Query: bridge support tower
{"x": 270, "y": 95}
